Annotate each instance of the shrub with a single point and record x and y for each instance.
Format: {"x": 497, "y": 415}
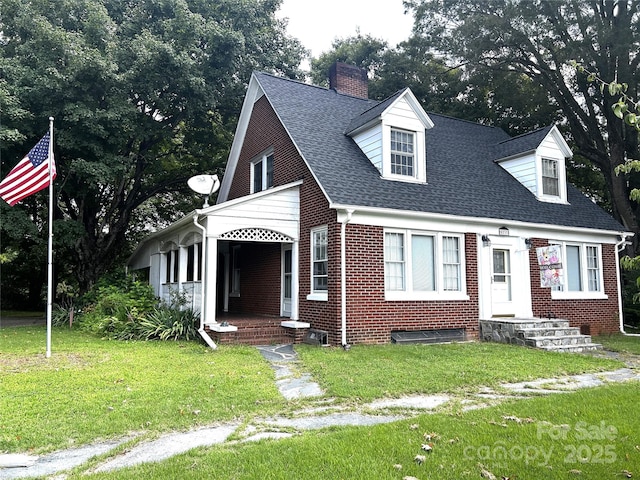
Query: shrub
{"x": 115, "y": 310}
{"x": 133, "y": 313}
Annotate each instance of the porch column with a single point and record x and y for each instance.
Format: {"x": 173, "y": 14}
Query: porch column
{"x": 227, "y": 275}
{"x": 295, "y": 281}
{"x": 211, "y": 281}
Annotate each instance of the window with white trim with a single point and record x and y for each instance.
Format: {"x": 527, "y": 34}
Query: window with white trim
{"x": 262, "y": 173}
{"x": 194, "y": 262}
{"x": 172, "y": 266}
{"x": 581, "y": 270}
{"x": 402, "y": 153}
{"x": 319, "y": 261}
{"x": 425, "y": 264}
{"x": 550, "y": 177}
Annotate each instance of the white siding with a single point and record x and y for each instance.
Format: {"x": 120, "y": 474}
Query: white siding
{"x": 402, "y": 115}
{"x": 549, "y": 148}
{"x": 279, "y": 212}
{"x": 370, "y": 142}
{"x": 524, "y": 170}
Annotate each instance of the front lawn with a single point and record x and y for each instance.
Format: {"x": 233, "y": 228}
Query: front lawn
{"x": 589, "y": 434}
{"x": 92, "y": 388}
{"x": 620, "y": 343}
{"x": 370, "y": 372}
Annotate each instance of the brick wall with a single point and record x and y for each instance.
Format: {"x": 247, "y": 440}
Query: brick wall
{"x": 260, "y": 280}
{"x": 593, "y": 316}
{"x": 265, "y": 132}
{"x": 371, "y": 319}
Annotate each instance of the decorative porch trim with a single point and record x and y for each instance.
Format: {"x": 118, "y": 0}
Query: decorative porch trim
{"x": 256, "y": 235}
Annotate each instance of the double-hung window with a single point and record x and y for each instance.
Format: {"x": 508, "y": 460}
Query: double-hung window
{"x": 402, "y": 153}
{"x": 319, "y": 264}
{"x": 550, "y": 177}
{"x": 421, "y": 265}
{"x": 262, "y": 173}
{"x": 581, "y": 271}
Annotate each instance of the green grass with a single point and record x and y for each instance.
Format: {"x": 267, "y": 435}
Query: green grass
{"x": 620, "y": 343}
{"x": 370, "y": 372}
{"x": 92, "y": 388}
{"x": 589, "y": 434}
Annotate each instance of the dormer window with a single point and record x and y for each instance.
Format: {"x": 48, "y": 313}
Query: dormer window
{"x": 550, "y": 177}
{"x": 262, "y": 173}
{"x": 392, "y": 136}
{"x": 402, "y": 153}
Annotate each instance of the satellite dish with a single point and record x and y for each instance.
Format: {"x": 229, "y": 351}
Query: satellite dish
{"x": 204, "y": 185}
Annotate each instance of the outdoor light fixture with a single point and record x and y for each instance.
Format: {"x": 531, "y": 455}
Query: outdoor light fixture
{"x": 485, "y": 241}
{"x": 528, "y": 243}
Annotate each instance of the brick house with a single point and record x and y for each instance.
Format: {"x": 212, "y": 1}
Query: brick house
{"x": 363, "y": 220}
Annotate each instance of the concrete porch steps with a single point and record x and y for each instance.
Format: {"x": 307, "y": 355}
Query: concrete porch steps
{"x": 547, "y": 334}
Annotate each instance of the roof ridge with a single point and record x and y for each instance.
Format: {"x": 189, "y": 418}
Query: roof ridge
{"x": 472, "y": 122}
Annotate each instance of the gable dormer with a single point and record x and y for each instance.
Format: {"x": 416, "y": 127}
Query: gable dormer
{"x": 538, "y": 161}
{"x": 392, "y": 136}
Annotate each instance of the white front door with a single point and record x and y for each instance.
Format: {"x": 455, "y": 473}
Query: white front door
{"x": 287, "y": 280}
{"x": 501, "y": 282}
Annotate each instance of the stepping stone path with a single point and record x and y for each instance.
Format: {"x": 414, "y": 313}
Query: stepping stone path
{"x": 322, "y": 413}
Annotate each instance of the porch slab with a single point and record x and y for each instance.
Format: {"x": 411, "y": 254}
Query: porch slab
{"x": 217, "y": 327}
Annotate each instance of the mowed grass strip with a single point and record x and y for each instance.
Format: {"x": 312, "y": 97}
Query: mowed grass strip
{"x": 93, "y": 389}
{"x": 620, "y": 343}
{"x": 588, "y": 434}
{"x": 370, "y": 372}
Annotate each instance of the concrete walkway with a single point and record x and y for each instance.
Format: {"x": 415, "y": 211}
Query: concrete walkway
{"x": 322, "y": 413}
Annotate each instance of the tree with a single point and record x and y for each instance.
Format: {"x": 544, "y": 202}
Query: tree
{"x": 145, "y": 94}
{"x": 509, "y": 100}
{"x": 539, "y": 39}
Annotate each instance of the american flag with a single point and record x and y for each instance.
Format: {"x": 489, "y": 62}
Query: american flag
{"x": 30, "y": 175}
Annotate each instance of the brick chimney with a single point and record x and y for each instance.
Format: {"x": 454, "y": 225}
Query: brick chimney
{"x": 349, "y": 80}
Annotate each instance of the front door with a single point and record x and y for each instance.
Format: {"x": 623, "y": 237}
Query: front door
{"x": 501, "y": 282}
{"x": 287, "y": 280}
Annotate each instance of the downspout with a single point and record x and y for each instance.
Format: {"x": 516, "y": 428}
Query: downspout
{"x": 619, "y": 246}
{"x": 205, "y": 336}
{"x": 343, "y": 276}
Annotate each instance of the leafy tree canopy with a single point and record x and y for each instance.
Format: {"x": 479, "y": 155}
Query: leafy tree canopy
{"x": 144, "y": 95}
{"x": 540, "y": 39}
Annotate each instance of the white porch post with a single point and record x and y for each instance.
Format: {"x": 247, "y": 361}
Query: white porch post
{"x": 295, "y": 281}
{"x": 211, "y": 281}
{"x": 227, "y": 275}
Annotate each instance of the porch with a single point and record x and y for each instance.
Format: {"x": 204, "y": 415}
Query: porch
{"x": 252, "y": 329}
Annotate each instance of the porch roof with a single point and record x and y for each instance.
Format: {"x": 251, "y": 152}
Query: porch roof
{"x": 276, "y": 209}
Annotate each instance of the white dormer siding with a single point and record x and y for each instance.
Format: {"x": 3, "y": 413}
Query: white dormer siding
{"x": 406, "y": 116}
{"x": 370, "y": 142}
{"x": 547, "y": 160}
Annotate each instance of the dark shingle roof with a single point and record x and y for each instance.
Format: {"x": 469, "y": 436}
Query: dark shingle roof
{"x": 522, "y": 143}
{"x": 463, "y": 177}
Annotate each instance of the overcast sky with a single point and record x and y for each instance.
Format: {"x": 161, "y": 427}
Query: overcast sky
{"x": 317, "y": 23}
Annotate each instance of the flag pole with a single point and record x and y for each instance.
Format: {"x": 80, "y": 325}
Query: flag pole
{"x": 50, "y": 248}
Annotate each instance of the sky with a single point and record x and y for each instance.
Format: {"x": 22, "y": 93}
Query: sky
{"x": 317, "y": 23}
